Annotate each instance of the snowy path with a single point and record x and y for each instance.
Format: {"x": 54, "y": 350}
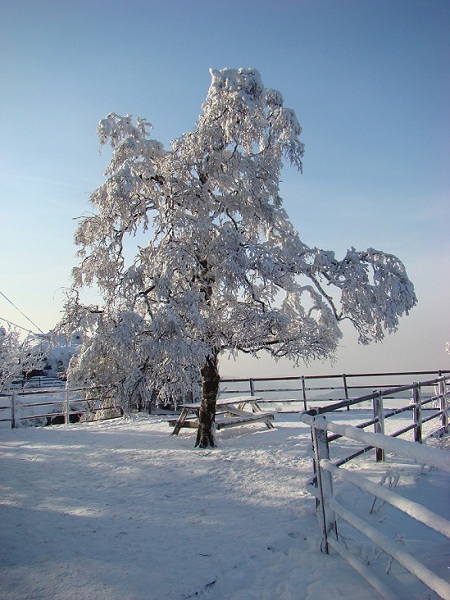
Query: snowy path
{"x": 121, "y": 510}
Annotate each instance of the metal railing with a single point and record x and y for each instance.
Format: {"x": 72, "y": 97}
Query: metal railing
{"x": 321, "y": 389}
{"x": 422, "y": 401}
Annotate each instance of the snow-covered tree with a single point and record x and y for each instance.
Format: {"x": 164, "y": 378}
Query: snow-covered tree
{"x": 16, "y": 356}
{"x": 224, "y": 268}
{"x": 10, "y": 347}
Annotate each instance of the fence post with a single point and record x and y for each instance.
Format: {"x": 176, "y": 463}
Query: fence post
{"x": 304, "y": 392}
{"x": 324, "y": 484}
{"x": 417, "y": 412}
{"x": 443, "y": 404}
{"x": 344, "y": 378}
{"x": 252, "y": 387}
{"x": 13, "y": 409}
{"x": 66, "y": 407}
{"x": 378, "y": 414}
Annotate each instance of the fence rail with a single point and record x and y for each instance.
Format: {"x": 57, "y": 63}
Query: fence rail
{"x": 61, "y": 405}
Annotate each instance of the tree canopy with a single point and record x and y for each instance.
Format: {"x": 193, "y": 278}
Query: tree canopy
{"x": 224, "y": 269}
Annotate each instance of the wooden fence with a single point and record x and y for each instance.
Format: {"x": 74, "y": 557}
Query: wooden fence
{"x": 437, "y": 405}
{"x": 46, "y": 406}
{"x": 321, "y": 484}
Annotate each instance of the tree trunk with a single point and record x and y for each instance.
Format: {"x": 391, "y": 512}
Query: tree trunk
{"x": 207, "y": 415}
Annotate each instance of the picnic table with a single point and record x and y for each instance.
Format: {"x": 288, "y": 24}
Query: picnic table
{"x": 230, "y": 412}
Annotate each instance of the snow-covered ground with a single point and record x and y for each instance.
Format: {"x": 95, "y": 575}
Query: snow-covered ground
{"x": 121, "y": 510}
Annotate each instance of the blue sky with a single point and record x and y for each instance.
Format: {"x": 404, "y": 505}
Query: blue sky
{"x": 369, "y": 81}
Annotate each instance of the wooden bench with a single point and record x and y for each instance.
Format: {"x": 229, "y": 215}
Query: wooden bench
{"x": 188, "y": 422}
{"x": 244, "y": 418}
{"x": 224, "y": 419}
{"x": 227, "y": 414}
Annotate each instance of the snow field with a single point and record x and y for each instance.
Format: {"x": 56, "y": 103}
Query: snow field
{"x": 122, "y": 510}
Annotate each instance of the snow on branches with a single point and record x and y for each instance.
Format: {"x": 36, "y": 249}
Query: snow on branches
{"x": 224, "y": 268}
{"x": 375, "y": 290}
